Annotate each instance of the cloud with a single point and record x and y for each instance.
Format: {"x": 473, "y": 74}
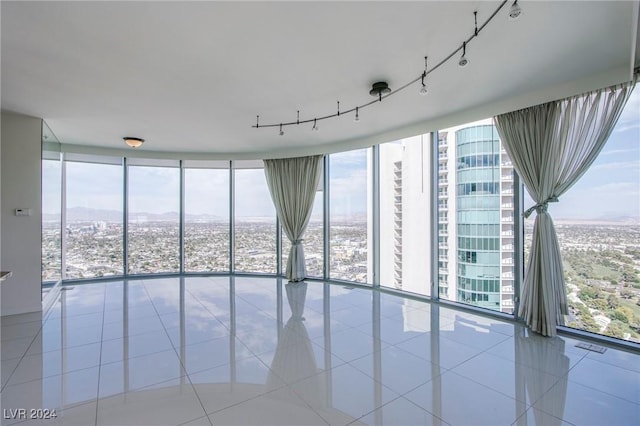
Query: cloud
{"x": 608, "y": 199}
{"x": 154, "y": 189}
{"x": 621, "y": 189}
{"x": 207, "y": 191}
{"x": 623, "y": 127}
{"x": 617, "y": 165}
{"x": 252, "y": 194}
{"x": 349, "y": 194}
{"x": 344, "y": 163}
{"x": 629, "y": 119}
{"x": 619, "y": 151}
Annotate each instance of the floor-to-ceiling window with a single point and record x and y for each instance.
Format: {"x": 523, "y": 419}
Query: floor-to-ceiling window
{"x": 206, "y": 217}
{"x": 312, "y": 240}
{"x": 94, "y": 219}
{"x": 153, "y": 217}
{"x": 405, "y": 200}
{"x": 51, "y": 217}
{"x": 597, "y": 222}
{"x": 350, "y": 210}
{"x": 255, "y": 220}
{"x": 475, "y": 217}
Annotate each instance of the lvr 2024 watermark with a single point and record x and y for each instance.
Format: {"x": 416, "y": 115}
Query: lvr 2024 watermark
{"x": 28, "y": 413}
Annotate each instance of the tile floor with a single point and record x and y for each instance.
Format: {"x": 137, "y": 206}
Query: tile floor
{"x": 246, "y": 350}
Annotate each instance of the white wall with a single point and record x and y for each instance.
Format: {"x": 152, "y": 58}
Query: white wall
{"x": 20, "y": 148}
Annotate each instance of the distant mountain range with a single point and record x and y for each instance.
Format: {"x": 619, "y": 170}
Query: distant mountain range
{"x": 85, "y": 214}
{"x": 614, "y": 220}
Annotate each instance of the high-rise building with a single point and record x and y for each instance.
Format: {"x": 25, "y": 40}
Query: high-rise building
{"x": 405, "y": 196}
{"x": 475, "y": 217}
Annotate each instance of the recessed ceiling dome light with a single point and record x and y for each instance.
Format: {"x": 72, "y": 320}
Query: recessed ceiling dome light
{"x": 133, "y": 142}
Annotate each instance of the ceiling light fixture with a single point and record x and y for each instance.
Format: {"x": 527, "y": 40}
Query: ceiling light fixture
{"x": 423, "y": 89}
{"x": 381, "y": 89}
{"x": 463, "y": 62}
{"x": 378, "y": 89}
{"x": 515, "y": 11}
{"x": 475, "y": 22}
{"x": 133, "y": 142}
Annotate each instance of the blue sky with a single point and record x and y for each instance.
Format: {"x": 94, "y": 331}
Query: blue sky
{"x": 610, "y": 188}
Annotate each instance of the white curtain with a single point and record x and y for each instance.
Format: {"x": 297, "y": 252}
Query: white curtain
{"x": 292, "y": 184}
{"x": 551, "y": 147}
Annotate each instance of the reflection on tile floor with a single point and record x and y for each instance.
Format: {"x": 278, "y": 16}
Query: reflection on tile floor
{"x": 244, "y": 350}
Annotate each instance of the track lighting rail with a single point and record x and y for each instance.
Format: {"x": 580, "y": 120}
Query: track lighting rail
{"x": 379, "y": 94}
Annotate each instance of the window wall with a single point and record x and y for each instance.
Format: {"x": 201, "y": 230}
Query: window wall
{"x": 597, "y": 222}
{"x": 350, "y": 216}
{"x": 153, "y": 219}
{"x": 313, "y": 241}
{"x": 94, "y": 219}
{"x": 405, "y": 200}
{"x": 206, "y": 220}
{"x": 51, "y": 217}
{"x": 225, "y": 216}
{"x": 255, "y": 223}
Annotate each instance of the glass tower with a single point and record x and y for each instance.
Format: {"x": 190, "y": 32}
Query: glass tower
{"x": 478, "y": 216}
{"x": 475, "y": 217}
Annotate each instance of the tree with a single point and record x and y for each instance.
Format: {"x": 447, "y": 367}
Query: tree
{"x": 589, "y": 323}
{"x": 612, "y": 301}
{"x": 619, "y": 316}
{"x": 587, "y": 293}
{"x": 628, "y": 312}
{"x": 616, "y": 329}
{"x": 600, "y": 304}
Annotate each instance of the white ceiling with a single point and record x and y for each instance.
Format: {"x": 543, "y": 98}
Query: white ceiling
{"x": 192, "y": 76}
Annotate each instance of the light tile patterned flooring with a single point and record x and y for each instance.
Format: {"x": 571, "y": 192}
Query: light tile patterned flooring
{"x": 247, "y": 350}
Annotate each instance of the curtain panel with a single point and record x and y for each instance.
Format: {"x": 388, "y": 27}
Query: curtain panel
{"x": 551, "y": 146}
{"x": 293, "y": 183}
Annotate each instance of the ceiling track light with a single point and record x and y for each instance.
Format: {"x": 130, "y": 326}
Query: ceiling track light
{"x": 515, "y": 11}
{"x": 475, "y": 22}
{"x": 381, "y": 89}
{"x": 463, "y": 62}
{"x": 133, "y": 142}
{"x": 423, "y": 89}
